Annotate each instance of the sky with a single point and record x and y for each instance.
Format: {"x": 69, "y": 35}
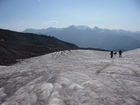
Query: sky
{"x": 111, "y": 14}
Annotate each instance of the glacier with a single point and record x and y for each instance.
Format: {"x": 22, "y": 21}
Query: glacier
{"x": 76, "y": 77}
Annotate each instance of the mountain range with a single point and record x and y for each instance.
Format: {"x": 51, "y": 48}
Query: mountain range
{"x": 17, "y": 45}
{"x": 87, "y": 37}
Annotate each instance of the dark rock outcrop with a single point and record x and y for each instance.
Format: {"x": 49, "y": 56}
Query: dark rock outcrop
{"x": 16, "y": 45}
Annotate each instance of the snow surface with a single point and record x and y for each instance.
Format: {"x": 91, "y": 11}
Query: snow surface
{"x": 77, "y": 77}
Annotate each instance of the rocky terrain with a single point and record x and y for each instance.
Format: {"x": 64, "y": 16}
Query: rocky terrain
{"x": 15, "y": 46}
{"x": 76, "y": 77}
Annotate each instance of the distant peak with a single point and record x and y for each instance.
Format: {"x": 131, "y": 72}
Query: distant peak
{"x": 72, "y": 26}
{"x": 79, "y": 27}
{"x": 96, "y": 28}
{"x": 82, "y": 27}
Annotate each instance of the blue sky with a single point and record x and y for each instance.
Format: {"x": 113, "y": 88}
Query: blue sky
{"x": 112, "y": 14}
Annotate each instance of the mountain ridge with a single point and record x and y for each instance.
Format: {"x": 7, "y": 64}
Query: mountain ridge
{"x": 96, "y": 37}
{"x": 16, "y": 45}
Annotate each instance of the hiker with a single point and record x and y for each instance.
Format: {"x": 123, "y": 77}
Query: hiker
{"x": 111, "y": 54}
{"x": 115, "y": 53}
{"x": 120, "y": 53}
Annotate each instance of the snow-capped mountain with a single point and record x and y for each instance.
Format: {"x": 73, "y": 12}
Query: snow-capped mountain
{"x": 96, "y": 37}
{"x": 76, "y": 77}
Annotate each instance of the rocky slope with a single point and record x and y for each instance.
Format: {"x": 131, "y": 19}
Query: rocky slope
{"x": 15, "y": 45}
{"x": 77, "y": 77}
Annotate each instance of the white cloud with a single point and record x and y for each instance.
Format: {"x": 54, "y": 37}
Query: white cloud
{"x": 51, "y": 23}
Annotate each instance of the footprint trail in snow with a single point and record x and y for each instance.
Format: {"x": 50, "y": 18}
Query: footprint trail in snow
{"x": 77, "y": 77}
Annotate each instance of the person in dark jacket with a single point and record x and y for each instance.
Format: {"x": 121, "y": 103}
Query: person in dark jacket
{"x": 111, "y": 54}
{"x": 120, "y": 53}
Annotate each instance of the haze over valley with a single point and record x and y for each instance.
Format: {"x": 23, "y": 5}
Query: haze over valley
{"x": 87, "y": 37}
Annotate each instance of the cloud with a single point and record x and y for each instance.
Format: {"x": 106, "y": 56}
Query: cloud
{"x": 51, "y": 22}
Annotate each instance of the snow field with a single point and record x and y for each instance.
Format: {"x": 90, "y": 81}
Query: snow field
{"x": 77, "y": 77}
